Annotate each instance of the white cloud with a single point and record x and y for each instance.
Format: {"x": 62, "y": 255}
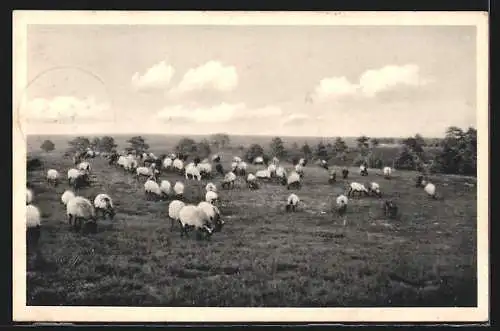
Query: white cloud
{"x": 223, "y": 112}
{"x": 62, "y": 108}
{"x": 156, "y": 77}
{"x": 371, "y": 82}
{"x": 211, "y": 75}
{"x": 296, "y": 118}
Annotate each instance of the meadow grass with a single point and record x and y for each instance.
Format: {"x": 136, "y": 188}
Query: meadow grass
{"x": 264, "y": 257}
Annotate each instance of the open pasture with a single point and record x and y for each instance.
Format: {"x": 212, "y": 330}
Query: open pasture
{"x": 263, "y": 256}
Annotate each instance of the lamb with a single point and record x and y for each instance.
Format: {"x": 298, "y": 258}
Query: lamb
{"x": 342, "y": 206}
{"x": 362, "y": 170}
{"x": 66, "y": 196}
{"x": 33, "y": 226}
{"x": 345, "y": 173}
{"x": 165, "y": 188}
{"x": 390, "y": 209}
{"x": 211, "y": 187}
{"x": 214, "y": 215}
{"x": 192, "y": 172}
{"x": 179, "y": 190}
{"x": 387, "y": 172}
{"x": 79, "y": 210}
{"x": 292, "y": 202}
{"x": 191, "y": 216}
{"x": 174, "y": 209}
{"x": 104, "y": 204}
{"x": 430, "y": 189}
{"x": 29, "y": 196}
{"x": 152, "y": 189}
{"x": 228, "y": 180}
{"x": 293, "y": 180}
{"x": 211, "y": 197}
{"x": 374, "y": 188}
{"x": 333, "y": 177}
{"x": 357, "y": 188}
{"x": 263, "y": 174}
{"x": 84, "y": 166}
{"x": 52, "y": 176}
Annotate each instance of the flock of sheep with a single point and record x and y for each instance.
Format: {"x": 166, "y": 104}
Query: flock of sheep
{"x": 204, "y": 217}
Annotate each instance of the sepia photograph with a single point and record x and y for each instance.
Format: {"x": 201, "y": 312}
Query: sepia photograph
{"x": 171, "y": 165}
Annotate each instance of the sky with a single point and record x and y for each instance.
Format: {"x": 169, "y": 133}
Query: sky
{"x": 379, "y": 81}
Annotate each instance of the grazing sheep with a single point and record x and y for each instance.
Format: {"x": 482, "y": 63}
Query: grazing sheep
{"x": 324, "y": 164}
{"x": 241, "y": 168}
{"x": 66, "y": 196}
{"x": 228, "y": 180}
{"x": 78, "y": 178}
{"x": 33, "y": 225}
{"x": 174, "y": 209}
{"x": 84, "y": 166}
{"x": 216, "y": 158}
{"x": 179, "y": 190}
{"x": 362, "y": 170}
{"x": 104, "y": 204}
{"x": 29, "y": 196}
{"x": 342, "y": 206}
{"x": 292, "y": 202}
{"x": 345, "y": 173}
{"x": 219, "y": 168}
{"x": 234, "y": 165}
{"x": 280, "y": 172}
{"x": 357, "y": 188}
{"x": 167, "y": 163}
{"x": 211, "y": 197}
{"x": 145, "y": 171}
{"x": 152, "y": 189}
{"x": 258, "y": 160}
{"x": 80, "y": 211}
{"x": 292, "y": 181}
{"x": 211, "y": 187}
{"x": 52, "y": 176}
{"x": 390, "y": 209}
{"x": 131, "y": 165}
{"x": 300, "y": 170}
{"x": 251, "y": 181}
{"x": 272, "y": 169}
{"x": 430, "y": 189}
{"x": 205, "y": 169}
{"x": 192, "y": 172}
{"x": 122, "y": 161}
{"x": 374, "y": 188}
{"x": 387, "y": 172}
{"x": 333, "y": 177}
{"x": 192, "y": 217}
{"x": 165, "y": 188}
{"x": 263, "y": 174}
{"x": 178, "y": 165}
{"x": 214, "y": 215}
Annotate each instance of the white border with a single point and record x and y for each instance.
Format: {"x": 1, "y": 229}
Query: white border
{"x": 114, "y": 314}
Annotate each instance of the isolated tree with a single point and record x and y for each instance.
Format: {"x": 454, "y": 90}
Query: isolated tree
{"x": 362, "y": 142}
{"x": 375, "y": 142}
{"x": 107, "y": 144}
{"x": 415, "y": 144}
{"x": 459, "y": 152}
{"x": 48, "y": 146}
{"x": 406, "y": 159}
{"x": 186, "y": 146}
{"x": 253, "y": 151}
{"x": 306, "y": 150}
{"x": 321, "y": 151}
{"x": 203, "y": 149}
{"x": 79, "y": 144}
{"x": 277, "y": 147}
{"x": 220, "y": 140}
{"x": 137, "y": 144}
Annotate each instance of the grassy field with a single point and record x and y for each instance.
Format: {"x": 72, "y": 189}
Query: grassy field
{"x": 263, "y": 256}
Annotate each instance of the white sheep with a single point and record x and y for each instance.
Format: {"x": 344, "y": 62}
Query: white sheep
{"x": 152, "y": 189}
{"x": 280, "y": 172}
{"x": 73, "y": 174}
{"x": 80, "y": 211}
{"x": 229, "y": 179}
{"x": 362, "y": 170}
{"x": 66, "y": 196}
{"x": 165, "y": 188}
{"x": 191, "y": 216}
{"x": 84, "y": 166}
{"x": 167, "y": 163}
{"x": 292, "y": 202}
{"x": 204, "y": 168}
{"x": 375, "y": 189}
{"x": 430, "y": 189}
{"x": 302, "y": 162}
{"x": 33, "y": 225}
{"x": 122, "y": 161}
{"x": 263, "y": 174}
{"x": 178, "y": 164}
{"x": 252, "y": 181}
{"x": 272, "y": 169}
{"x": 216, "y": 158}
{"x": 77, "y": 178}
{"x": 213, "y": 213}
{"x": 29, "y": 196}
{"x": 293, "y": 180}
{"x": 387, "y": 172}
{"x": 192, "y": 172}
{"x": 342, "y": 205}
{"x": 53, "y": 176}
{"x": 258, "y": 160}
{"x": 241, "y": 168}
{"x": 211, "y": 187}
{"x": 145, "y": 171}
{"x": 104, "y": 204}
{"x": 299, "y": 169}
{"x": 234, "y": 165}
{"x": 179, "y": 189}
{"x": 357, "y": 188}
{"x": 211, "y": 197}
{"x": 174, "y": 209}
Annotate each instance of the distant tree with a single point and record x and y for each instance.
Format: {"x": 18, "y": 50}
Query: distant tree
{"x": 203, "y": 149}
{"x": 406, "y": 159}
{"x": 277, "y": 147}
{"x": 186, "y": 146}
{"x": 459, "y": 152}
{"x": 362, "y": 142}
{"x": 415, "y": 144}
{"x": 321, "y": 151}
{"x": 220, "y": 140}
{"x": 95, "y": 143}
{"x": 137, "y": 144}
{"x": 253, "y": 151}
{"x": 306, "y": 150}
{"x": 375, "y": 142}
{"x": 78, "y": 144}
{"x": 339, "y": 146}
{"x": 107, "y": 144}
{"x": 48, "y": 146}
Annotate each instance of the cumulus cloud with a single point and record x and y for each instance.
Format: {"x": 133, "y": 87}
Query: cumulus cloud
{"x": 296, "y": 119}
{"x": 211, "y": 75}
{"x": 63, "y": 108}
{"x": 371, "y": 82}
{"x": 223, "y": 112}
{"x": 156, "y": 77}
